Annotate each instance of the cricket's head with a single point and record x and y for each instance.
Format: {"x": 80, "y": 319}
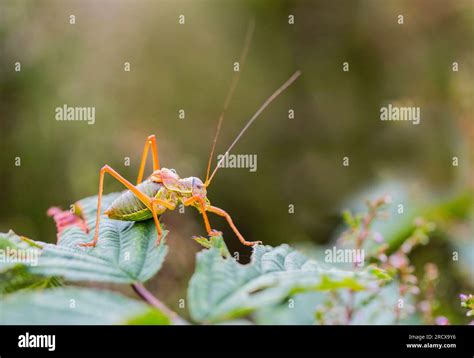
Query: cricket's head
{"x": 190, "y": 186}
{"x": 195, "y": 186}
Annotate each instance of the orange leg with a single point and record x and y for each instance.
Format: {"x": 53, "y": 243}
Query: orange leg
{"x": 204, "y": 215}
{"x": 151, "y": 140}
{"x": 157, "y": 223}
{"x": 219, "y": 212}
{"x": 166, "y": 204}
{"x": 142, "y": 197}
{"x": 193, "y": 199}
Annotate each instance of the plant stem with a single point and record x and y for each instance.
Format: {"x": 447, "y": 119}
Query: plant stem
{"x": 155, "y": 302}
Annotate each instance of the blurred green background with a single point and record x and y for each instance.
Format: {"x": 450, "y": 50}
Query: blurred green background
{"x": 190, "y": 67}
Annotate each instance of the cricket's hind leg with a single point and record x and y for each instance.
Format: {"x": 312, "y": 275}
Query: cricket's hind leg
{"x": 141, "y": 196}
{"x": 150, "y": 141}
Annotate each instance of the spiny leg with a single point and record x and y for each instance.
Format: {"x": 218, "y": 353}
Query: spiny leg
{"x": 220, "y": 212}
{"x": 151, "y": 140}
{"x": 141, "y": 196}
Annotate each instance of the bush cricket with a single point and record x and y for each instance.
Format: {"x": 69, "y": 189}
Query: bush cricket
{"x": 164, "y": 189}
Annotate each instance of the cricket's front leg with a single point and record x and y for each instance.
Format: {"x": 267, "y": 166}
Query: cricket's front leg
{"x": 220, "y": 212}
{"x": 201, "y": 201}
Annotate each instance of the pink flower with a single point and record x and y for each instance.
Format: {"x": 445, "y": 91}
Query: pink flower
{"x": 378, "y": 238}
{"x": 442, "y": 321}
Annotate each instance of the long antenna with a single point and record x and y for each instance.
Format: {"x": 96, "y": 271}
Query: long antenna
{"x": 254, "y": 117}
{"x": 235, "y": 81}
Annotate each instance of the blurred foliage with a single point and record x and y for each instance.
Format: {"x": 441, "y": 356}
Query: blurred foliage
{"x": 60, "y": 306}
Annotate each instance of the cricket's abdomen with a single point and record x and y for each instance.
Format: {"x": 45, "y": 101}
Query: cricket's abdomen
{"x": 129, "y": 208}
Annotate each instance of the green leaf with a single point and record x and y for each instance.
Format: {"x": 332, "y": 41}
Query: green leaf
{"x": 379, "y": 273}
{"x": 298, "y": 310}
{"x": 214, "y": 241}
{"x": 151, "y": 317}
{"x": 75, "y": 306}
{"x": 16, "y": 254}
{"x": 16, "y": 250}
{"x": 125, "y": 253}
{"x": 19, "y": 278}
{"x": 223, "y": 289}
